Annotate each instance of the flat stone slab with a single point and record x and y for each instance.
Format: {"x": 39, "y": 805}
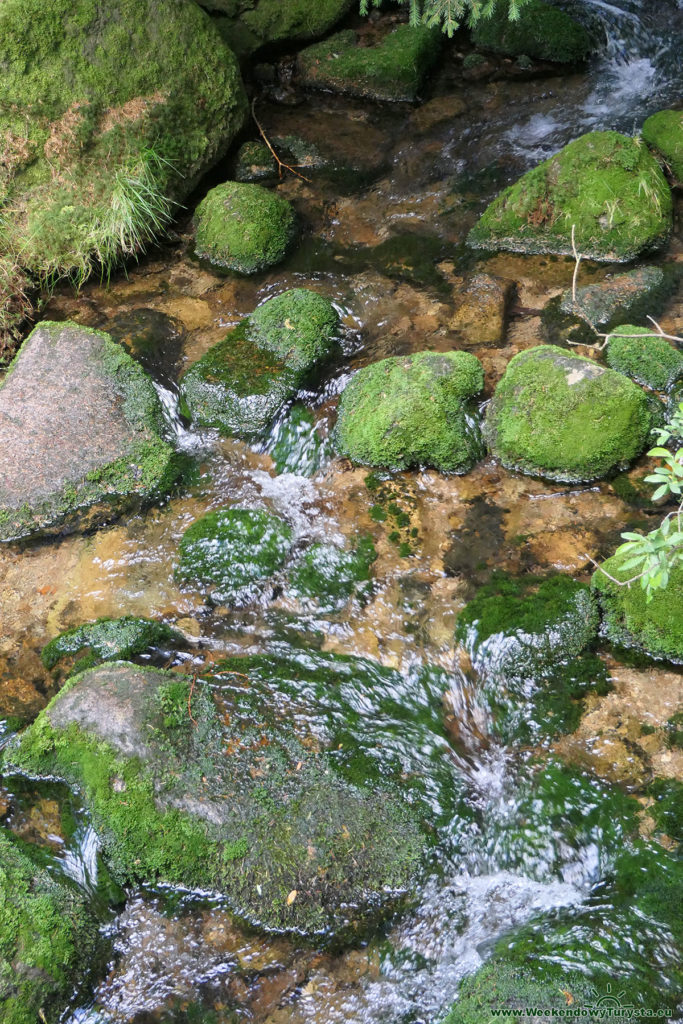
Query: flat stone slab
{"x": 80, "y": 434}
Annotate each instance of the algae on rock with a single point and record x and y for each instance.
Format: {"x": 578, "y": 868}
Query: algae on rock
{"x": 412, "y": 410}
{"x": 243, "y": 227}
{"x": 105, "y": 122}
{"x": 106, "y": 640}
{"x": 208, "y": 787}
{"x": 564, "y": 417}
{"x": 80, "y": 434}
{"x": 606, "y": 186}
{"x": 48, "y": 936}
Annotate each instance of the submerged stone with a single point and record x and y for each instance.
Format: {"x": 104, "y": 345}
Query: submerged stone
{"x": 330, "y": 575}
{"x": 250, "y": 25}
{"x": 208, "y": 787}
{"x": 243, "y": 227}
{"x": 154, "y": 338}
{"x": 47, "y": 938}
{"x": 244, "y": 381}
{"x": 392, "y": 69}
{"x": 296, "y": 446}
{"x": 227, "y": 551}
{"x": 106, "y": 640}
{"x": 605, "y": 185}
{"x": 101, "y": 129}
{"x": 541, "y": 31}
{"x": 663, "y": 132}
{"x": 80, "y": 434}
{"x": 482, "y": 306}
{"x": 412, "y": 410}
{"x": 564, "y": 417}
{"x": 645, "y": 357}
{"x": 630, "y": 620}
{"x": 635, "y": 294}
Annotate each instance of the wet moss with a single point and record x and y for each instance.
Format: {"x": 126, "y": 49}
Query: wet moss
{"x": 296, "y": 446}
{"x": 628, "y": 619}
{"x": 605, "y": 185}
{"x": 541, "y": 31}
{"x": 645, "y": 357}
{"x": 205, "y": 787}
{"x": 299, "y": 327}
{"x": 106, "y": 640}
{"x": 565, "y": 417}
{"x": 667, "y": 809}
{"x": 663, "y": 132}
{"x": 47, "y": 938}
{"x": 243, "y": 227}
{"x": 249, "y": 27}
{"x": 228, "y": 550}
{"x": 330, "y": 575}
{"x": 393, "y": 69}
{"x": 412, "y": 410}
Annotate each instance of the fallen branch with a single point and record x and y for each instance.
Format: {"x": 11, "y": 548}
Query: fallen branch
{"x": 578, "y": 257}
{"x": 280, "y": 163}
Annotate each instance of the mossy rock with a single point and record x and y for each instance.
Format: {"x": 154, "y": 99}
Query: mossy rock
{"x": 527, "y": 639}
{"x": 255, "y": 163}
{"x": 81, "y": 434}
{"x": 48, "y": 937}
{"x": 630, "y": 620}
{"x": 106, "y": 640}
{"x": 412, "y": 410}
{"x": 541, "y": 31}
{"x": 212, "y": 788}
{"x": 296, "y": 446}
{"x": 244, "y": 381}
{"x": 103, "y": 129}
{"x": 564, "y": 417}
{"x": 393, "y": 69}
{"x": 645, "y": 357}
{"x": 243, "y": 227}
{"x": 663, "y": 132}
{"x": 605, "y": 185}
{"x": 616, "y": 299}
{"x": 249, "y": 26}
{"x": 229, "y": 550}
{"x": 329, "y": 575}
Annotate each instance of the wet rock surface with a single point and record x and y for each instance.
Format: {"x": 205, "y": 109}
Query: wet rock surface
{"x": 80, "y": 434}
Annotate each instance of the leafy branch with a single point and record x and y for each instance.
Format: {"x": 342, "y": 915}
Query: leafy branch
{"x": 450, "y": 13}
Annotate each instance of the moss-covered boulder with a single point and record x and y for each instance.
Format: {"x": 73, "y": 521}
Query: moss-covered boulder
{"x": 106, "y": 640}
{"x": 630, "y": 620}
{"x": 244, "y": 381}
{"x": 663, "y": 132}
{"x": 412, "y": 410}
{"x": 541, "y": 31}
{"x": 621, "y": 297}
{"x": 565, "y": 417}
{"x": 644, "y": 356}
{"x": 605, "y": 185}
{"x": 47, "y": 938}
{"x": 328, "y": 575}
{"x": 393, "y": 69}
{"x": 252, "y": 25}
{"x": 213, "y": 788}
{"x": 80, "y": 434}
{"x": 105, "y": 121}
{"x": 243, "y": 227}
{"x": 227, "y": 551}
{"x": 527, "y": 640}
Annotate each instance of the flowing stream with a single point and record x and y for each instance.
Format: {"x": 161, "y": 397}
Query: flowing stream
{"x": 384, "y": 240}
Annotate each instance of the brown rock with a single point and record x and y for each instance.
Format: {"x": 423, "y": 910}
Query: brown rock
{"x": 482, "y": 307}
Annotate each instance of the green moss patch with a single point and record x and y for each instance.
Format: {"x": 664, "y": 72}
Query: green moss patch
{"x": 605, "y": 185}
{"x": 663, "y": 132}
{"x": 298, "y": 326}
{"x": 564, "y": 417}
{"x": 47, "y": 938}
{"x": 412, "y": 410}
{"x": 252, "y": 25}
{"x": 629, "y": 620}
{"x": 243, "y": 227}
{"x": 541, "y": 31}
{"x": 330, "y": 575}
{"x": 296, "y": 445}
{"x": 102, "y": 128}
{"x": 106, "y": 640}
{"x": 228, "y": 550}
{"x": 393, "y": 69}
{"x": 644, "y": 356}
{"x": 207, "y": 787}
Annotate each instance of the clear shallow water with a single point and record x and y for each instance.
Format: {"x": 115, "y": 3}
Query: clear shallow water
{"x": 500, "y": 860}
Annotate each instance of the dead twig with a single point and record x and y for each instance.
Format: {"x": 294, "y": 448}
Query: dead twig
{"x": 578, "y": 257}
{"x": 280, "y": 163}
